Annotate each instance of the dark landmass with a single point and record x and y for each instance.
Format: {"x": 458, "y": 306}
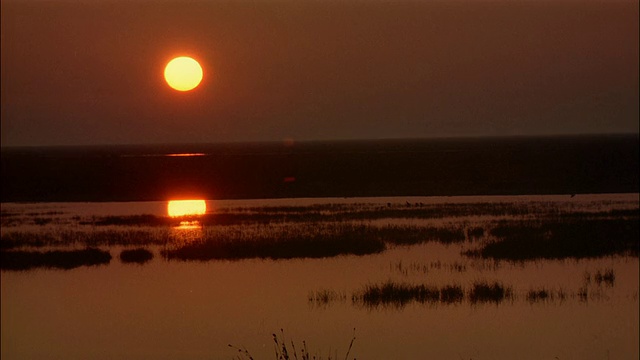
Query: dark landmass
{"x": 58, "y": 259}
{"x": 572, "y": 238}
{"x": 440, "y": 167}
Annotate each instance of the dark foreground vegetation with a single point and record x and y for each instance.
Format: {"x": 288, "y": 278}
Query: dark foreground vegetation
{"x": 26, "y": 260}
{"x": 283, "y": 351}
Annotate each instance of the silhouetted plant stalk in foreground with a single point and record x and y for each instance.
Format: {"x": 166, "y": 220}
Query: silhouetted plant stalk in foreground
{"x": 283, "y": 352}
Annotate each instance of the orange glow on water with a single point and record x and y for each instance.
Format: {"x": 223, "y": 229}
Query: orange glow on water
{"x": 185, "y": 154}
{"x": 178, "y": 208}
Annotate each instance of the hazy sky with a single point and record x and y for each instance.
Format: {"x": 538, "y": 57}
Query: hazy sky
{"x": 91, "y": 72}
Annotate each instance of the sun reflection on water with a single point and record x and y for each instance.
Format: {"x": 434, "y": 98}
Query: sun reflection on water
{"x": 190, "y": 228}
{"x": 179, "y": 208}
{"x": 187, "y": 232}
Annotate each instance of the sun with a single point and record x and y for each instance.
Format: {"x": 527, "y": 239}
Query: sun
{"x": 183, "y": 73}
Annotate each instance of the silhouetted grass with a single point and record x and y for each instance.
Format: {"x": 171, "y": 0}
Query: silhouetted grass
{"x": 608, "y": 277}
{"x": 25, "y": 260}
{"x": 538, "y": 295}
{"x": 16, "y": 239}
{"x": 483, "y": 292}
{"x": 544, "y": 295}
{"x": 287, "y": 243}
{"x": 138, "y": 256}
{"x": 400, "y": 294}
{"x": 409, "y": 235}
{"x": 349, "y": 212}
{"x": 326, "y": 297}
{"x": 282, "y": 351}
{"x": 579, "y": 238}
{"x": 397, "y": 295}
{"x": 145, "y": 219}
{"x": 85, "y": 237}
{"x": 451, "y": 294}
{"x": 420, "y": 268}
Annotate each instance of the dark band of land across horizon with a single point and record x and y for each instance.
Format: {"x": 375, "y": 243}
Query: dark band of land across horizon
{"x": 436, "y": 167}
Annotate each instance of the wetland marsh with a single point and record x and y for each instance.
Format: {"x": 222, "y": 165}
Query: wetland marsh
{"x": 476, "y": 277}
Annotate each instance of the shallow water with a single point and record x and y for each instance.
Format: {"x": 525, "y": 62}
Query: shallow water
{"x": 193, "y": 310}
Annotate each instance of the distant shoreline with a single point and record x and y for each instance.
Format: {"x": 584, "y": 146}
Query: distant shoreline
{"x": 362, "y": 168}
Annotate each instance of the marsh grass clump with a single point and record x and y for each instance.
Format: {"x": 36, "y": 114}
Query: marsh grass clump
{"x": 583, "y": 293}
{"x": 607, "y": 277}
{"x": 575, "y": 238}
{"x": 137, "y": 256}
{"x": 475, "y": 232}
{"x": 538, "y": 295}
{"x": 451, "y": 294}
{"x": 396, "y": 295}
{"x": 283, "y": 242}
{"x": 400, "y": 294}
{"x": 483, "y": 292}
{"x": 410, "y": 235}
{"x": 17, "y": 239}
{"x": 544, "y": 295}
{"x": 26, "y": 260}
{"x": 127, "y": 220}
{"x": 83, "y": 237}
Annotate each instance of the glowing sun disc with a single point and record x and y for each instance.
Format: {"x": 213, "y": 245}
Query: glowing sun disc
{"x": 183, "y": 73}
{"x": 178, "y": 208}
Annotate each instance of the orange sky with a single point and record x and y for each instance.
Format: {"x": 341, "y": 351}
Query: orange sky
{"x": 91, "y": 72}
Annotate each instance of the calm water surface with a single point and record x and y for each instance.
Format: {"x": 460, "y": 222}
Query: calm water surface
{"x": 193, "y": 310}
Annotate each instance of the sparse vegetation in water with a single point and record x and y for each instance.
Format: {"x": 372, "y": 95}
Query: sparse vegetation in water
{"x": 407, "y": 269}
{"x": 545, "y": 295}
{"x": 70, "y": 259}
{"x": 137, "y": 256}
{"x": 325, "y": 297}
{"x": 607, "y": 277}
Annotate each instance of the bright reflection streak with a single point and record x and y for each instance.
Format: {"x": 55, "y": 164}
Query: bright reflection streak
{"x": 187, "y": 232}
{"x": 189, "y": 225}
{"x": 185, "y": 154}
{"x": 178, "y": 208}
